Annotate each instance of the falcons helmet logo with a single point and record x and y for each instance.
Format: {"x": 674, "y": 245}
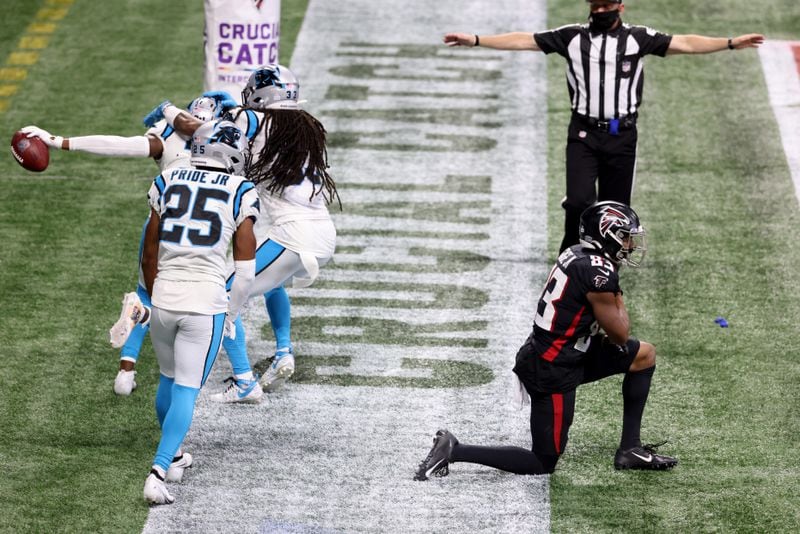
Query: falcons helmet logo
{"x": 612, "y": 219}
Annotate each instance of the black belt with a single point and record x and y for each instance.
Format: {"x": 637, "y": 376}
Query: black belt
{"x": 625, "y": 123}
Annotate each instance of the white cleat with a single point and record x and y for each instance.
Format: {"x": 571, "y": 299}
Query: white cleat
{"x": 155, "y": 490}
{"x": 240, "y": 390}
{"x": 177, "y": 467}
{"x": 279, "y": 372}
{"x": 133, "y": 313}
{"x": 124, "y": 384}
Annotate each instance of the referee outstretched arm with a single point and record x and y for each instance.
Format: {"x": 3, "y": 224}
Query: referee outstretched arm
{"x": 699, "y": 44}
{"x": 681, "y": 44}
{"x": 503, "y": 41}
{"x": 605, "y": 80}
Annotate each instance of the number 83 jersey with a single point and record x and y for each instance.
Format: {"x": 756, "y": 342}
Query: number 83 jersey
{"x": 199, "y": 211}
{"x": 565, "y": 322}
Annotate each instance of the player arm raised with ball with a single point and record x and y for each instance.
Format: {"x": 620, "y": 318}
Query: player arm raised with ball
{"x": 204, "y": 108}
{"x": 139, "y": 146}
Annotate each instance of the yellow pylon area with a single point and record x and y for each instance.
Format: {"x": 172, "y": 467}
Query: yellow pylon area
{"x": 33, "y": 41}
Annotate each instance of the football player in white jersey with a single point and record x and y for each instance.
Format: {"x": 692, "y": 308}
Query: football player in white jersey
{"x": 158, "y": 142}
{"x": 196, "y": 212}
{"x": 169, "y": 149}
{"x": 298, "y": 236}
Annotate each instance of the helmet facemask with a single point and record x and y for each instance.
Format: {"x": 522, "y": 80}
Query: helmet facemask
{"x": 633, "y": 247}
{"x": 204, "y": 108}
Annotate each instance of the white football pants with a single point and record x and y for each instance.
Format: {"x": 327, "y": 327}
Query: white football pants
{"x": 186, "y": 344}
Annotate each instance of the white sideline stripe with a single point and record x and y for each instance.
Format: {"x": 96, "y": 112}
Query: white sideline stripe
{"x": 783, "y": 85}
{"x": 315, "y": 458}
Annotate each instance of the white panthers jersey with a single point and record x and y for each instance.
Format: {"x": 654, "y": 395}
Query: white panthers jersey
{"x": 296, "y": 202}
{"x": 299, "y": 221}
{"x": 199, "y": 210}
{"x": 249, "y": 122}
{"x": 287, "y": 219}
{"x": 176, "y": 149}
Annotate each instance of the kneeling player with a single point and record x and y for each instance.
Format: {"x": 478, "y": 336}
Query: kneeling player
{"x": 565, "y": 349}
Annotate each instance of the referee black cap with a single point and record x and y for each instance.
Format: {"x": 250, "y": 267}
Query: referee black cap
{"x": 609, "y": 1}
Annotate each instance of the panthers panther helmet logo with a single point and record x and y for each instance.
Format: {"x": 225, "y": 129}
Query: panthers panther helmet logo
{"x": 219, "y": 145}
{"x": 271, "y": 86}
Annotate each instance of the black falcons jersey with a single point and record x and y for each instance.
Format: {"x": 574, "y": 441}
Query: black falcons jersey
{"x": 564, "y": 322}
{"x": 605, "y": 73}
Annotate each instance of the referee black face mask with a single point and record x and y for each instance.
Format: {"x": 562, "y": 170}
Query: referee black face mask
{"x": 602, "y": 21}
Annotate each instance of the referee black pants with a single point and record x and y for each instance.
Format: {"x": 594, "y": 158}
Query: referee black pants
{"x": 596, "y": 156}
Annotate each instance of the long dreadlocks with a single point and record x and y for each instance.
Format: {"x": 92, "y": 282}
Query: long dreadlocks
{"x": 294, "y": 149}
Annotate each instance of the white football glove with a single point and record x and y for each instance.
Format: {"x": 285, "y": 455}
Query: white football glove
{"x": 133, "y": 312}
{"x": 53, "y": 141}
{"x": 230, "y": 328}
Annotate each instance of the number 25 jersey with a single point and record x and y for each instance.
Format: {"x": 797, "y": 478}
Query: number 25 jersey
{"x": 199, "y": 211}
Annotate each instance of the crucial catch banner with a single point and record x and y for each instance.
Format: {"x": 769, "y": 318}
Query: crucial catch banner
{"x": 240, "y": 35}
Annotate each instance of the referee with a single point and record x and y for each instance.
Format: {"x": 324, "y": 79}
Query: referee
{"x": 605, "y": 78}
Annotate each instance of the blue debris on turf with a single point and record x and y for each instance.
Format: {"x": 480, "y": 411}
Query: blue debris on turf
{"x": 721, "y": 322}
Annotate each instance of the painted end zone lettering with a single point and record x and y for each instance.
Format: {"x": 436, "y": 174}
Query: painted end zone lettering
{"x": 336, "y": 371}
{"x": 416, "y": 321}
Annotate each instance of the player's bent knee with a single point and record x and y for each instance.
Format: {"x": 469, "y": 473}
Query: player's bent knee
{"x": 645, "y": 358}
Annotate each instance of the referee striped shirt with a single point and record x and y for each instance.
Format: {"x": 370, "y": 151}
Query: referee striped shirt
{"x": 605, "y": 71}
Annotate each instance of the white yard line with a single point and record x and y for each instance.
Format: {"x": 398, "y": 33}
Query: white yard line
{"x": 782, "y": 72}
{"x": 331, "y": 458}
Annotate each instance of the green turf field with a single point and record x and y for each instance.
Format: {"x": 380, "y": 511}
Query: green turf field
{"x": 71, "y": 453}
{"x": 715, "y": 195}
{"x": 713, "y": 190}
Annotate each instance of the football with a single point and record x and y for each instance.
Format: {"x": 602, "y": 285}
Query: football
{"x": 30, "y": 152}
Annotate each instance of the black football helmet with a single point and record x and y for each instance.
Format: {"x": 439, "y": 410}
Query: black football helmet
{"x": 614, "y": 229}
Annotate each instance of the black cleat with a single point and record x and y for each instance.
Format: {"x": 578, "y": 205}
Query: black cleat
{"x": 438, "y": 460}
{"x": 643, "y": 457}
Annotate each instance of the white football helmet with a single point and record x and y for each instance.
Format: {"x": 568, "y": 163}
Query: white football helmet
{"x": 271, "y": 87}
{"x": 205, "y": 108}
{"x": 219, "y": 145}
